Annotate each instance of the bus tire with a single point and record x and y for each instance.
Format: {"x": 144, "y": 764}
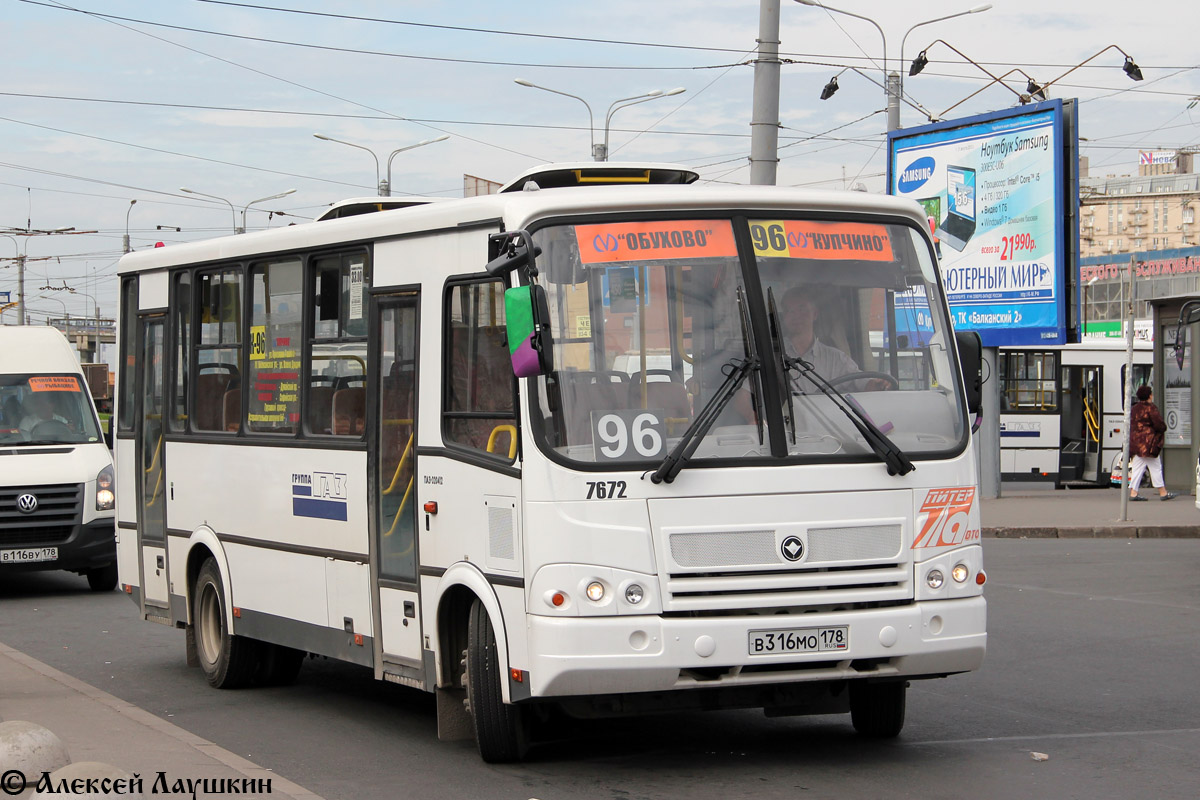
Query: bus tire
{"x": 278, "y": 665}
{"x": 102, "y": 579}
{"x": 228, "y": 661}
{"x": 877, "y": 709}
{"x": 500, "y": 728}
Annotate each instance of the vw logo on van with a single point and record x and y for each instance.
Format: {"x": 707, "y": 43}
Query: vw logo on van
{"x": 27, "y": 503}
{"x": 792, "y": 548}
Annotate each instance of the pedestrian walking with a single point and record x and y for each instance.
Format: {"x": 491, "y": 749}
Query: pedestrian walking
{"x": 1146, "y": 428}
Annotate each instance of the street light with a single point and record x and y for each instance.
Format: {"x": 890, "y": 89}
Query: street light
{"x": 922, "y": 60}
{"x": 422, "y": 143}
{"x": 232, "y": 210}
{"x": 1130, "y": 68}
{"x": 261, "y": 200}
{"x": 600, "y": 151}
{"x": 617, "y": 105}
{"x": 831, "y": 88}
{"x": 125, "y": 241}
{"x": 894, "y": 86}
{"x": 384, "y": 185}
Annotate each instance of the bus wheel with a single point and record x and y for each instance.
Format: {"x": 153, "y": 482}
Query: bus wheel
{"x": 877, "y": 709}
{"x": 228, "y": 661}
{"x": 103, "y": 579}
{"x": 278, "y": 665}
{"x": 500, "y": 729}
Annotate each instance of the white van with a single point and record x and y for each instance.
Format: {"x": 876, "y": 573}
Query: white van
{"x": 56, "y": 472}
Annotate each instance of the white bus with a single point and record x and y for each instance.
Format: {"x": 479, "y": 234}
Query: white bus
{"x": 1061, "y": 415}
{"x": 324, "y": 448}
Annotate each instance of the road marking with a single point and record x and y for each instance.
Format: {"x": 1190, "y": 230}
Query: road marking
{"x": 1046, "y": 736}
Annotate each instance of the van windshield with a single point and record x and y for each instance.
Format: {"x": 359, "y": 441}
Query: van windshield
{"x": 649, "y": 316}
{"x": 45, "y": 409}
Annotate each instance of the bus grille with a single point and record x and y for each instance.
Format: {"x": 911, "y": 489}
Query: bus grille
{"x": 841, "y": 567}
{"x": 58, "y": 512}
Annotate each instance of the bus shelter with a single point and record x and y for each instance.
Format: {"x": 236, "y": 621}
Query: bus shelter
{"x": 1173, "y": 391}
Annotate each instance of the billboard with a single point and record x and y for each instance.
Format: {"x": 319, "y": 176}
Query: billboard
{"x": 999, "y": 194}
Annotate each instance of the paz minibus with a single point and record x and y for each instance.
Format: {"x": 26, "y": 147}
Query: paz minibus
{"x": 577, "y": 446}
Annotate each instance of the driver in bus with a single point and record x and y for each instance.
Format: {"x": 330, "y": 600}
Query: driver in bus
{"x": 798, "y": 312}
{"x": 41, "y": 409}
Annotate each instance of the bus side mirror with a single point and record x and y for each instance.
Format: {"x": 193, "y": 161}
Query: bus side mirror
{"x": 970, "y": 356}
{"x": 511, "y": 251}
{"x": 527, "y": 326}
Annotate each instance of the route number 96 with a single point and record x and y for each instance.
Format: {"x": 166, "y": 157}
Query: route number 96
{"x": 628, "y": 435}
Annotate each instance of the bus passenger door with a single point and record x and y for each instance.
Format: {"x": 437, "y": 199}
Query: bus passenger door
{"x": 1080, "y": 406}
{"x": 392, "y": 470}
{"x": 151, "y": 469}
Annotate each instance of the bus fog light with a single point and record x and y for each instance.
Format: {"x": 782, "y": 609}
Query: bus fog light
{"x": 634, "y": 594}
{"x": 960, "y": 573}
{"x": 595, "y": 591}
{"x": 934, "y": 579}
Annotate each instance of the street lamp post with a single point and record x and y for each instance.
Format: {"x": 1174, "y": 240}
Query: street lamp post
{"x": 261, "y": 200}
{"x": 383, "y": 185}
{"x": 125, "y": 241}
{"x": 232, "y": 210}
{"x": 617, "y": 105}
{"x": 600, "y": 150}
{"x": 21, "y": 258}
{"x": 398, "y": 150}
{"x": 892, "y": 80}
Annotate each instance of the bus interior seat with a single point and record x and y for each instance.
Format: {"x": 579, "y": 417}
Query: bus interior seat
{"x": 231, "y": 410}
{"x": 320, "y": 409}
{"x": 349, "y": 411}
{"x": 668, "y": 394}
{"x": 584, "y": 393}
{"x": 210, "y": 395}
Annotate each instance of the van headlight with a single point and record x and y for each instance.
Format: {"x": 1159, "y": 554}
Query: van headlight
{"x": 105, "y": 497}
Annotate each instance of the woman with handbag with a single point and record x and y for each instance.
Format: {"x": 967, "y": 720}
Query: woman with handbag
{"x": 1146, "y": 428}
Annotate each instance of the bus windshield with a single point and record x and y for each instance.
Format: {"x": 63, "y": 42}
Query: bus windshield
{"x": 45, "y": 409}
{"x": 649, "y": 316}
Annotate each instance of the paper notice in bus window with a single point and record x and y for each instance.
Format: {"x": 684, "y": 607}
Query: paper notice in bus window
{"x": 646, "y": 241}
{"x": 790, "y": 238}
{"x": 356, "y": 290}
{"x": 54, "y": 383}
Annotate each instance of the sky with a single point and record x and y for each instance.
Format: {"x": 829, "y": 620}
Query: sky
{"x": 107, "y": 103}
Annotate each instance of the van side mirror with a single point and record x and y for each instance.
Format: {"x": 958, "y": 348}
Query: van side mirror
{"x": 527, "y": 326}
{"x": 970, "y": 357}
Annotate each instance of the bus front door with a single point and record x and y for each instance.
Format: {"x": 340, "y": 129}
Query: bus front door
{"x": 394, "y": 516}
{"x": 151, "y": 452}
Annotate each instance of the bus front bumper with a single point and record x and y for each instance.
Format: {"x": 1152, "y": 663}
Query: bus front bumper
{"x": 619, "y": 654}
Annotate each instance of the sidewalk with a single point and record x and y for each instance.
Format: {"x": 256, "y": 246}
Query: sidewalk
{"x": 96, "y": 726}
{"x": 1086, "y": 513}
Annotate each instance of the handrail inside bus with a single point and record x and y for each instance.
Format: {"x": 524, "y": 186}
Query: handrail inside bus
{"x": 403, "y": 458}
{"x": 1093, "y": 426}
{"x": 511, "y": 430}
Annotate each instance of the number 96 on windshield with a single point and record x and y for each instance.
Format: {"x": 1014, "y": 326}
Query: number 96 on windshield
{"x": 628, "y": 435}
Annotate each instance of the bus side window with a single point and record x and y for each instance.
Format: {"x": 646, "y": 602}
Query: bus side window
{"x": 479, "y": 381}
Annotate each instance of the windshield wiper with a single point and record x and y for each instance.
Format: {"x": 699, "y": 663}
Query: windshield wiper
{"x": 891, "y": 455}
{"x": 738, "y": 371}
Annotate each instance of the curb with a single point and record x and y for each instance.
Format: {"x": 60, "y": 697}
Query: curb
{"x": 1097, "y": 532}
{"x": 280, "y": 785}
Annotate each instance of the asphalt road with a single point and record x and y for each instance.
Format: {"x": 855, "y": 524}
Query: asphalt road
{"x": 1092, "y": 660}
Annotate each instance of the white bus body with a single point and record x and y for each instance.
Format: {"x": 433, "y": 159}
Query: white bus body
{"x": 56, "y": 472}
{"x": 346, "y": 465}
{"x": 1061, "y": 417}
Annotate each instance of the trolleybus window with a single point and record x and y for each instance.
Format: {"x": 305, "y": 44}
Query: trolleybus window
{"x": 181, "y": 313}
{"x": 127, "y": 377}
{"x": 274, "y": 345}
{"x": 337, "y": 369}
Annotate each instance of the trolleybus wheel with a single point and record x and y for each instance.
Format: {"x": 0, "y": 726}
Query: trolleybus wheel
{"x": 228, "y": 661}
{"x": 877, "y": 709}
{"x": 500, "y": 729}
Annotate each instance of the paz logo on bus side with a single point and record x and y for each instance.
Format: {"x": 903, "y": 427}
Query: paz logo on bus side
{"x": 945, "y": 517}
{"x": 320, "y": 495}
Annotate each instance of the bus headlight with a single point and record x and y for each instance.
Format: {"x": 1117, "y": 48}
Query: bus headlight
{"x": 960, "y": 573}
{"x": 595, "y": 591}
{"x": 634, "y": 594}
{"x": 105, "y": 498}
{"x": 934, "y": 579}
